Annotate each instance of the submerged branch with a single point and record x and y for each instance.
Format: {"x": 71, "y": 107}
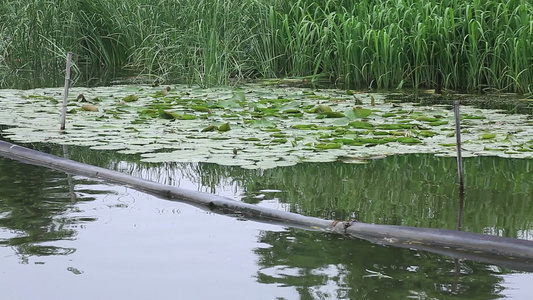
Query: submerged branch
{"x": 506, "y": 252}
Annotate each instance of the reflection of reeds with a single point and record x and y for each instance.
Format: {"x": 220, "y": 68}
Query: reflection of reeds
{"x": 414, "y": 190}
{"x": 472, "y": 45}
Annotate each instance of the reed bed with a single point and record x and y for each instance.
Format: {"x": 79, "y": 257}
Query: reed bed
{"x": 468, "y": 45}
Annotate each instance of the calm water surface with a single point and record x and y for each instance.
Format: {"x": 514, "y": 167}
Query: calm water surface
{"x": 81, "y": 238}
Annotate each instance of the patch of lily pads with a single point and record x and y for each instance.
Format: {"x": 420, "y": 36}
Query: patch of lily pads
{"x": 256, "y": 126}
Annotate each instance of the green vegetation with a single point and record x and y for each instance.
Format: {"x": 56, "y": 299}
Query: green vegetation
{"x": 472, "y": 45}
{"x": 256, "y": 126}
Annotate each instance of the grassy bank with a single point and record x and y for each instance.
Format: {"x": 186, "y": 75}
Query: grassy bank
{"x": 468, "y": 45}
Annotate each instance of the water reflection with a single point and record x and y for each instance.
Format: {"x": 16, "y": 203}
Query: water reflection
{"x": 329, "y": 267}
{"x": 412, "y": 190}
{"x": 37, "y": 212}
{"x": 35, "y": 208}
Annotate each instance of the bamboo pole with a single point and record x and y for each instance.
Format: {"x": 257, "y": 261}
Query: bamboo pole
{"x": 65, "y": 92}
{"x": 507, "y": 252}
{"x": 458, "y": 144}
{"x": 459, "y": 165}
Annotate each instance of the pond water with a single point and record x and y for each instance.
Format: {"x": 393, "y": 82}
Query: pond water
{"x": 82, "y": 238}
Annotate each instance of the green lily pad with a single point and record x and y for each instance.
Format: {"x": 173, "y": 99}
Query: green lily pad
{"x": 328, "y": 146}
{"x": 438, "y": 123}
{"x": 201, "y": 108}
{"x": 224, "y": 127}
{"x": 167, "y": 115}
{"x": 305, "y": 126}
{"x": 427, "y": 133}
{"x": 361, "y": 125}
{"x": 427, "y": 119}
{"x": 231, "y": 103}
{"x": 334, "y": 114}
{"x": 488, "y": 136}
{"x": 409, "y": 140}
{"x": 322, "y": 108}
{"x": 239, "y": 96}
{"x": 470, "y": 117}
{"x": 130, "y": 98}
{"x": 357, "y": 113}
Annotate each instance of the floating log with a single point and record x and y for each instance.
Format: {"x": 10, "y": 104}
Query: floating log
{"x": 506, "y": 252}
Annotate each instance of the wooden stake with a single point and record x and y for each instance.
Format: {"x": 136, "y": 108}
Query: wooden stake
{"x": 65, "y": 92}
{"x": 459, "y": 164}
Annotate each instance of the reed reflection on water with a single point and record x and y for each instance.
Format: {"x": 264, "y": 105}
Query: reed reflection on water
{"x": 41, "y": 210}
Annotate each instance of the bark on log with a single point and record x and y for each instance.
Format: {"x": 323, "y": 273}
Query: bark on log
{"x": 506, "y": 252}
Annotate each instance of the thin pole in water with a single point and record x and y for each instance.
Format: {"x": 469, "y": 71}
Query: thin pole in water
{"x": 65, "y": 93}
{"x": 459, "y": 164}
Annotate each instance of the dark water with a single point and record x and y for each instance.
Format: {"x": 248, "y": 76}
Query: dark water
{"x": 81, "y": 238}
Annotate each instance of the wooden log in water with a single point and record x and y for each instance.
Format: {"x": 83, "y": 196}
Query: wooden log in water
{"x": 506, "y": 252}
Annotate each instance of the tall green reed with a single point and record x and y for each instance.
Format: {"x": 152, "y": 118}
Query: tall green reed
{"x": 469, "y": 45}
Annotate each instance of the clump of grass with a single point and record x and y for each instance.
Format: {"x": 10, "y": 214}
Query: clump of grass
{"x": 468, "y": 45}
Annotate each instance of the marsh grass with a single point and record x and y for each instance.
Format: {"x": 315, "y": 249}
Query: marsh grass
{"x": 469, "y": 45}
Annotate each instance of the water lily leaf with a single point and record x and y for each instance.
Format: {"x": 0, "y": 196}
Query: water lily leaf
{"x": 292, "y": 111}
{"x": 258, "y": 106}
{"x": 361, "y": 125}
{"x": 224, "y": 127}
{"x": 231, "y": 103}
{"x": 427, "y": 119}
{"x": 201, "y": 108}
{"x": 409, "y": 140}
{"x": 351, "y": 142}
{"x": 279, "y": 141}
{"x": 261, "y": 123}
{"x": 250, "y": 139}
{"x": 209, "y": 128}
{"x": 427, "y": 133}
{"x": 333, "y": 114}
{"x": 438, "y": 123}
{"x": 341, "y": 122}
{"x": 167, "y": 115}
{"x": 328, "y": 146}
{"x": 146, "y": 112}
{"x": 186, "y": 117}
{"x": 239, "y": 96}
{"x": 89, "y": 107}
{"x": 305, "y": 126}
{"x": 130, "y": 98}
{"x": 322, "y": 108}
{"x": 380, "y": 133}
{"x": 373, "y": 141}
{"x": 488, "y": 136}
{"x": 470, "y": 117}
{"x": 358, "y": 112}
{"x": 393, "y": 126}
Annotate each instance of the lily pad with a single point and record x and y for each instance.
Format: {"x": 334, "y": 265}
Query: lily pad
{"x": 322, "y": 108}
{"x": 488, "y": 136}
{"x": 130, "y": 98}
{"x": 224, "y": 127}
{"x": 409, "y": 140}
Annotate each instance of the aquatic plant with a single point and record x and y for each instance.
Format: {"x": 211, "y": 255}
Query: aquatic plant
{"x": 468, "y": 45}
{"x": 256, "y": 126}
